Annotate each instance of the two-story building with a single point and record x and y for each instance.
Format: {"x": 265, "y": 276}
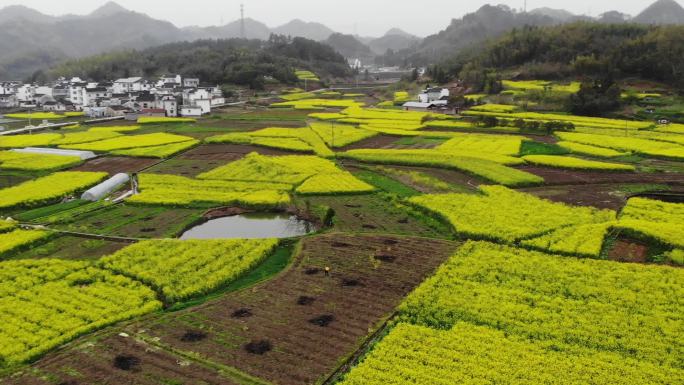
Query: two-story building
{"x": 126, "y": 85}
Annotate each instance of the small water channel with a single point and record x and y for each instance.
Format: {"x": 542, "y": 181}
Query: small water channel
{"x": 251, "y": 226}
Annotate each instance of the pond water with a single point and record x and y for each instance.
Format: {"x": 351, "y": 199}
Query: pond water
{"x": 251, "y": 226}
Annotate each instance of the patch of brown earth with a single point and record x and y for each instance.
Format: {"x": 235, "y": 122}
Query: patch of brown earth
{"x": 625, "y": 250}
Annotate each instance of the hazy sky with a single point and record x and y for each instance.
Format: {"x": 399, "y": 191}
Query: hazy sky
{"x": 366, "y": 17}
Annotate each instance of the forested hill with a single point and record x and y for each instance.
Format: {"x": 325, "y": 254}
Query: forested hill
{"x": 230, "y": 61}
{"x": 577, "y": 50}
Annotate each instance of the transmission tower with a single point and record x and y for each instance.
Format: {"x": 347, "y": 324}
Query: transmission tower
{"x": 242, "y": 21}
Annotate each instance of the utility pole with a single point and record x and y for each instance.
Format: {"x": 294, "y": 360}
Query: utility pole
{"x": 242, "y": 20}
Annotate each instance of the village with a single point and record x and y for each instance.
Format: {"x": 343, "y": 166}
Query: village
{"x": 169, "y": 96}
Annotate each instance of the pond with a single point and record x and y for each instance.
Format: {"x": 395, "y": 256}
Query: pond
{"x": 251, "y": 226}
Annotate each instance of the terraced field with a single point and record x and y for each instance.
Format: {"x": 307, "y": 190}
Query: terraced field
{"x": 427, "y": 239}
{"x": 298, "y": 322}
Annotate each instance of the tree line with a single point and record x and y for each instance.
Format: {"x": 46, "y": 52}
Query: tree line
{"x": 579, "y": 50}
{"x": 224, "y": 61}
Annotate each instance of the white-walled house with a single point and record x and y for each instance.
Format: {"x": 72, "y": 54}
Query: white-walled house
{"x": 54, "y": 106}
{"x": 8, "y": 101}
{"x": 95, "y": 95}
{"x": 435, "y": 95}
{"x": 106, "y": 98}
{"x": 44, "y": 90}
{"x": 191, "y": 82}
{"x": 170, "y": 79}
{"x": 191, "y": 111}
{"x": 190, "y": 96}
{"x": 204, "y": 105}
{"x": 78, "y": 94}
{"x": 126, "y": 85}
{"x": 7, "y": 88}
{"x": 170, "y": 104}
{"x": 25, "y": 93}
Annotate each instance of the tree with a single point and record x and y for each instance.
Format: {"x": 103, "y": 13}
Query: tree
{"x": 595, "y": 98}
{"x": 414, "y": 75}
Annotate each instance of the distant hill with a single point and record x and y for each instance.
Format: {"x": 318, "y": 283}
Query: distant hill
{"x": 556, "y": 14}
{"x": 400, "y": 32}
{"x": 253, "y": 30}
{"x": 477, "y": 27}
{"x": 395, "y": 39}
{"x": 60, "y": 38}
{"x": 348, "y": 46}
{"x": 662, "y": 12}
{"x": 20, "y": 12}
{"x": 31, "y": 40}
{"x": 109, "y": 9}
{"x": 313, "y": 31}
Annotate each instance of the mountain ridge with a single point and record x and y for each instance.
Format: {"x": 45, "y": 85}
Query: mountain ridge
{"x": 661, "y": 12}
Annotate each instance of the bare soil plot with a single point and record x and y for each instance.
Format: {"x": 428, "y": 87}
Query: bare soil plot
{"x": 557, "y": 177}
{"x": 372, "y": 214}
{"x": 116, "y": 164}
{"x": 468, "y": 182}
{"x": 296, "y": 328}
{"x": 117, "y": 360}
{"x": 72, "y": 248}
{"x": 134, "y": 221}
{"x": 604, "y": 196}
{"x": 626, "y": 250}
{"x": 186, "y": 167}
{"x": 11, "y": 179}
{"x": 547, "y": 139}
{"x": 378, "y": 141}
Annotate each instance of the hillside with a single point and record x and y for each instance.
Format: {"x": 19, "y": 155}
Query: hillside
{"x": 582, "y": 49}
{"x": 662, "y": 12}
{"x": 558, "y": 14}
{"x": 348, "y": 46}
{"x": 243, "y": 62}
{"x": 253, "y": 30}
{"x": 395, "y": 39}
{"x": 309, "y": 30}
{"x": 487, "y": 22}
